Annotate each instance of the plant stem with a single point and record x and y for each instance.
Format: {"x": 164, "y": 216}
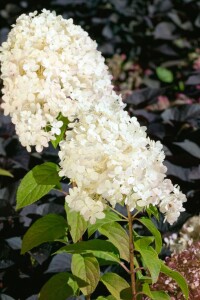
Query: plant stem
{"x": 117, "y": 212}
{"x": 131, "y": 254}
{"x": 125, "y": 268}
{"x": 133, "y": 217}
{"x": 87, "y": 297}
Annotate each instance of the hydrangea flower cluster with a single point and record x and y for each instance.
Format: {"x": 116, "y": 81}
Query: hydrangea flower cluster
{"x": 188, "y": 264}
{"x": 51, "y": 67}
{"x": 112, "y": 161}
{"x": 189, "y": 234}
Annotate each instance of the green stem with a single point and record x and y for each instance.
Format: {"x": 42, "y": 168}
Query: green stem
{"x": 124, "y": 267}
{"x": 133, "y": 216}
{"x": 117, "y": 212}
{"x": 131, "y": 254}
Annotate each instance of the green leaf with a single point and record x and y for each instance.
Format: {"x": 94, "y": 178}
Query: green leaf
{"x": 146, "y": 290}
{"x": 115, "y": 284}
{"x": 117, "y": 235}
{"x": 126, "y": 294}
{"x": 150, "y": 258}
{"x": 5, "y": 173}
{"x": 144, "y": 242}
{"x": 89, "y": 246}
{"x": 158, "y": 295}
{"x": 29, "y": 191}
{"x": 177, "y": 277}
{"x": 164, "y": 74}
{"x": 109, "y": 218}
{"x": 155, "y": 295}
{"x": 46, "y": 229}
{"x": 87, "y": 269}
{"x": 140, "y": 277}
{"x": 77, "y": 224}
{"x": 105, "y": 251}
{"x": 63, "y": 129}
{"x": 101, "y": 249}
{"x": 46, "y": 174}
{"x": 181, "y": 86}
{"x": 152, "y": 210}
{"x": 60, "y": 286}
{"x": 106, "y": 258}
{"x": 152, "y": 228}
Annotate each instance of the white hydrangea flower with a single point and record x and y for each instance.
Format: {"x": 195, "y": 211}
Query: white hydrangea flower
{"x": 110, "y": 157}
{"x": 78, "y": 200}
{"x": 172, "y": 203}
{"x": 56, "y": 125}
{"x": 49, "y": 66}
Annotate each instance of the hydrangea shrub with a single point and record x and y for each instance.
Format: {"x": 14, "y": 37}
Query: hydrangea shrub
{"x": 57, "y": 88}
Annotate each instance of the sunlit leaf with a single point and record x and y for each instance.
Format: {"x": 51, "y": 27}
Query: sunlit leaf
{"x": 117, "y": 235}
{"x": 114, "y": 283}
{"x": 46, "y": 229}
{"x": 77, "y": 224}
{"x": 87, "y": 269}
{"x": 152, "y": 228}
{"x": 109, "y": 218}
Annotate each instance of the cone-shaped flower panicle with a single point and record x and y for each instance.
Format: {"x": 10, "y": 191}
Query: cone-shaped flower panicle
{"x": 50, "y": 67}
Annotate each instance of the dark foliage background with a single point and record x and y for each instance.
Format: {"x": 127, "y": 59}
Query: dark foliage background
{"x": 152, "y": 48}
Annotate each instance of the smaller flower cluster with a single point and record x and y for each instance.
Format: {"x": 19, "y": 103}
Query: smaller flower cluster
{"x": 188, "y": 264}
{"x": 189, "y": 233}
{"x": 112, "y": 161}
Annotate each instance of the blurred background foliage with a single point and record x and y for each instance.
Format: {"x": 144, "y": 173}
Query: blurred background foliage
{"x": 153, "y": 52}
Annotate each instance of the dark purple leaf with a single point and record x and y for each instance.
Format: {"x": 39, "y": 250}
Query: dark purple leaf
{"x": 177, "y": 171}
{"x": 184, "y": 113}
{"x": 173, "y": 15}
{"x": 142, "y": 95}
{"x": 150, "y": 117}
{"x": 3, "y": 34}
{"x": 107, "y": 32}
{"x": 15, "y": 242}
{"x": 4, "y": 264}
{"x": 193, "y": 203}
{"x": 190, "y": 147}
{"x": 193, "y": 80}
{"x": 156, "y": 130}
{"x": 41, "y": 253}
{"x": 33, "y": 297}
{"x": 152, "y": 83}
{"x": 6, "y": 297}
{"x": 197, "y": 21}
{"x": 195, "y": 173}
{"x": 60, "y": 263}
{"x": 163, "y": 6}
{"x": 164, "y": 31}
{"x": 167, "y": 50}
